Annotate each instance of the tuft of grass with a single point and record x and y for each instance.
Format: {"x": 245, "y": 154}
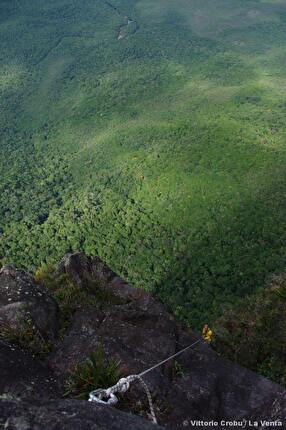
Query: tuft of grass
{"x": 91, "y": 374}
{"x": 44, "y": 273}
{"x": 27, "y": 337}
{"x": 178, "y": 370}
{"x": 70, "y": 297}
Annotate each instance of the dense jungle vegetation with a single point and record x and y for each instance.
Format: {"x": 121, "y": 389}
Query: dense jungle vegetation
{"x": 150, "y": 133}
{"x": 252, "y": 332}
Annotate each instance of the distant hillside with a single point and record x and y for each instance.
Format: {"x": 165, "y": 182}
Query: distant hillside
{"x": 149, "y": 133}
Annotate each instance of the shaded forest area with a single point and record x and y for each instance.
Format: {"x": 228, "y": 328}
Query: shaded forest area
{"x": 163, "y": 152}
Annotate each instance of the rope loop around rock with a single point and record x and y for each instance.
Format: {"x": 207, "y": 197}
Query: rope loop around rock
{"x": 99, "y": 395}
{"x": 108, "y": 397}
{"x": 122, "y": 386}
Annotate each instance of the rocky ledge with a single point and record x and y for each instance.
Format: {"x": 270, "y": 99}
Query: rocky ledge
{"x": 51, "y": 327}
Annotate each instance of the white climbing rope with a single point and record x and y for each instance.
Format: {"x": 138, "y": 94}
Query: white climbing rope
{"x": 170, "y": 358}
{"x": 123, "y": 385}
{"x": 149, "y": 397}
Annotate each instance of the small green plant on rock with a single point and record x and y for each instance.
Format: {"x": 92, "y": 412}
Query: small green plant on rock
{"x": 178, "y": 370}
{"x": 70, "y": 297}
{"x": 26, "y": 337}
{"x": 91, "y": 374}
{"x": 44, "y": 273}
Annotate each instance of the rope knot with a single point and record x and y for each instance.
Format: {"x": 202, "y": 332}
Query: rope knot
{"x": 123, "y": 385}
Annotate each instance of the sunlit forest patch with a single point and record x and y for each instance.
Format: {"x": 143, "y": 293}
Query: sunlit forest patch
{"x": 162, "y": 151}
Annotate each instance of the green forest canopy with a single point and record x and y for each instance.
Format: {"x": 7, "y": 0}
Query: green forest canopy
{"x": 151, "y": 134}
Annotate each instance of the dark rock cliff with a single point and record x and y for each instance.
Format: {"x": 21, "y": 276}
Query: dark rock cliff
{"x": 134, "y": 329}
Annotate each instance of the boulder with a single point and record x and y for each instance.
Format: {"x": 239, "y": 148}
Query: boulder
{"x": 23, "y": 302}
{"x": 85, "y": 271}
{"x": 136, "y": 335}
{"x": 67, "y": 415}
{"x": 274, "y": 412}
{"x": 24, "y": 377}
{"x": 213, "y": 388}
